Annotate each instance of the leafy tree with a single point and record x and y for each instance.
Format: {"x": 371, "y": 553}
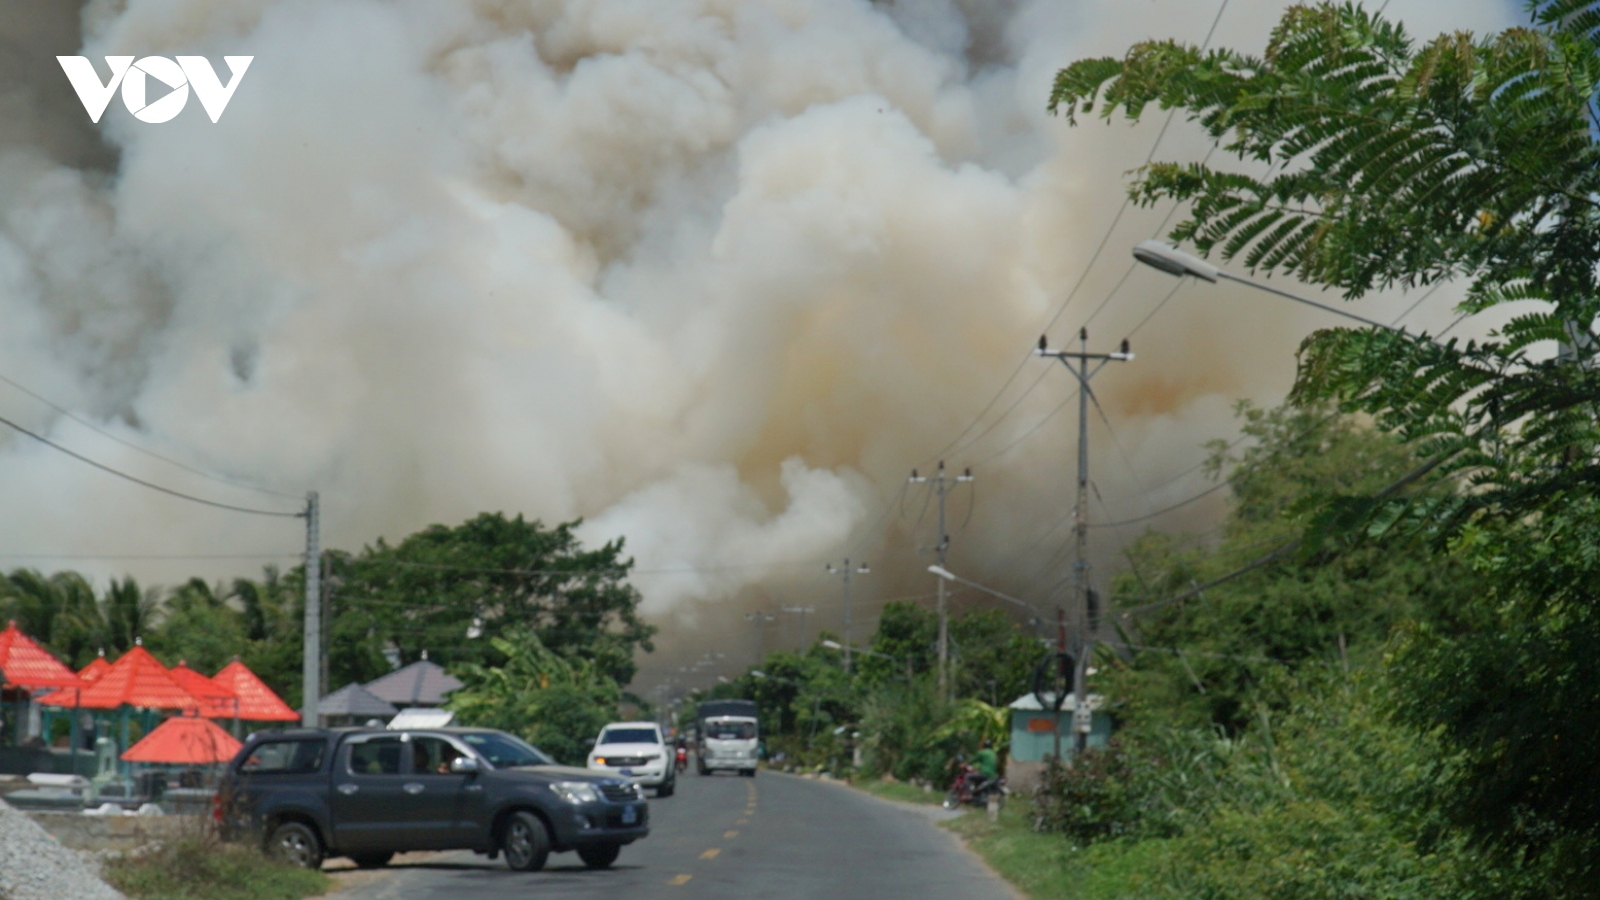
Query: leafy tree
{"x": 991, "y": 657}
{"x": 489, "y": 573}
{"x": 558, "y": 703}
{"x": 1214, "y": 656}
{"x": 906, "y": 644}
{"x": 198, "y": 628}
{"x": 1372, "y": 161}
{"x": 272, "y": 613}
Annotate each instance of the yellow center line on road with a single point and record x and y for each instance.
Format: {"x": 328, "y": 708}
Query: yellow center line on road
{"x": 680, "y": 879}
{"x": 741, "y": 821}
{"x": 711, "y": 854}
{"x": 730, "y": 834}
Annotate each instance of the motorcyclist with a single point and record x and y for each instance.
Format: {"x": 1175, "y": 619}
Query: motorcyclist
{"x": 986, "y": 766}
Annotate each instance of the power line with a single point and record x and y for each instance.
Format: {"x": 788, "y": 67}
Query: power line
{"x": 135, "y": 447}
{"x": 1164, "y": 510}
{"x": 1030, "y": 432}
{"x": 113, "y": 557}
{"x": 140, "y": 481}
{"x": 1082, "y": 276}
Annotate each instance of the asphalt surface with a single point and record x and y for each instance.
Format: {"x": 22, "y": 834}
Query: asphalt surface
{"x": 722, "y": 836}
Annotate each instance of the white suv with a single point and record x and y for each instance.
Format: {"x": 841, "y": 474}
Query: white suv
{"x": 637, "y": 751}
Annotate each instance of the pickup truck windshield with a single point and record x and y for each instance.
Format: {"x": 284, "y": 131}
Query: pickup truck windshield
{"x": 628, "y": 736}
{"x": 503, "y": 750}
{"x": 731, "y": 731}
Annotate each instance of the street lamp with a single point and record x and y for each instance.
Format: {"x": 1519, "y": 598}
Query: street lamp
{"x": 835, "y": 645}
{"x": 948, "y": 575}
{"x": 1173, "y": 261}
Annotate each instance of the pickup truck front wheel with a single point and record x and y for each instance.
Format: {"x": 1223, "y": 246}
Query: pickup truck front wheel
{"x": 527, "y": 842}
{"x": 296, "y": 843}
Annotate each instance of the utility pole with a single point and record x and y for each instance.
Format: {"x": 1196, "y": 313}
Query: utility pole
{"x": 1081, "y": 716}
{"x": 802, "y": 610}
{"x": 941, "y": 487}
{"x": 760, "y": 619}
{"x": 311, "y": 666}
{"x": 845, "y": 571}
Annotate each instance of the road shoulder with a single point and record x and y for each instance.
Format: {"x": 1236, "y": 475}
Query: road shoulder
{"x": 935, "y": 813}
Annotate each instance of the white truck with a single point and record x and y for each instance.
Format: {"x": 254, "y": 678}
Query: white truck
{"x": 728, "y": 736}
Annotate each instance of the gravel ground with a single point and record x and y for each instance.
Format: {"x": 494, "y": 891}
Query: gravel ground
{"x": 34, "y": 866}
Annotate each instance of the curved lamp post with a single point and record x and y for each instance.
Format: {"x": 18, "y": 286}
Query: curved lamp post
{"x": 1171, "y": 260}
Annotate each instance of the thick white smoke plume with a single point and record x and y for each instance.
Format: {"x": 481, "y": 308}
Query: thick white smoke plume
{"x": 713, "y": 274}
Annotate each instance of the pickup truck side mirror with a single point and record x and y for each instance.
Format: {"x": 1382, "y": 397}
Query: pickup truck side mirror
{"x": 463, "y": 765}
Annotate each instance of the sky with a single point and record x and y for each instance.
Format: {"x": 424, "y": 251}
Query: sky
{"x": 711, "y": 275}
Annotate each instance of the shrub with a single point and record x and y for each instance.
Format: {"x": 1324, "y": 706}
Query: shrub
{"x": 204, "y": 868}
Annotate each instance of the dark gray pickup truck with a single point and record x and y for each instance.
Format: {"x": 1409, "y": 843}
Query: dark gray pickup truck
{"x": 367, "y": 793}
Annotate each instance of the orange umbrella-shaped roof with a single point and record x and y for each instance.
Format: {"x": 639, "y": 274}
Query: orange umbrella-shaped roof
{"x": 135, "y": 679}
{"x": 184, "y": 739}
{"x": 92, "y": 672}
{"x": 23, "y": 663}
{"x": 216, "y": 701}
{"x": 257, "y": 702}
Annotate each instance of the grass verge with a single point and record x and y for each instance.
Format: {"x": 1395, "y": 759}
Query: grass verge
{"x": 205, "y": 869}
{"x": 1049, "y": 866}
{"x": 899, "y": 790}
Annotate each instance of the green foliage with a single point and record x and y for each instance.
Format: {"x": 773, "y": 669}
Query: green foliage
{"x": 1388, "y": 162}
{"x": 1099, "y": 797}
{"x": 427, "y": 591}
{"x": 198, "y": 628}
{"x": 1207, "y": 661}
{"x": 1514, "y": 687}
{"x": 905, "y": 732}
{"x": 501, "y": 574}
{"x": 204, "y": 869}
{"x": 555, "y": 702}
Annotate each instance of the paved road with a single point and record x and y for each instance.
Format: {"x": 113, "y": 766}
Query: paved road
{"x": 772, "y": 836}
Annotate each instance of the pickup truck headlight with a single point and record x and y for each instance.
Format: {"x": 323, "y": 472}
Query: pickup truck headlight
{"x": 576, "y": 791}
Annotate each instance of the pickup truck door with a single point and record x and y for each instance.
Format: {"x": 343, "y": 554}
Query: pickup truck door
{"x": 369, "y": 799}
{"x": 444, "y": 807}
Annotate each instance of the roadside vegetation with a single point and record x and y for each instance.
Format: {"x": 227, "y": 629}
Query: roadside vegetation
{"x": 1387, "y": 687}
{"x": 200, "y": 868}
{"x": 551, "y": 614}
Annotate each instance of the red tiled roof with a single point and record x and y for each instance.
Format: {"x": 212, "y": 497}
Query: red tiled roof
{"x": 92, "y": 672}
{"x": 184, "y": 739}
{"x": 257, "y": 702}
{"x": 23, "y": 663}
{"x": 136, "y": 679}
{"x": 216, "y": 701}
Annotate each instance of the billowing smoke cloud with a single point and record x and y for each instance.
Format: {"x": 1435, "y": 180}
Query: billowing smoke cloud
{"x": 712, "y": 274}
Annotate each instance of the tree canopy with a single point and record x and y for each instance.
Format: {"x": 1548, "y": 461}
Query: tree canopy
{"x": 1363, "y": 160}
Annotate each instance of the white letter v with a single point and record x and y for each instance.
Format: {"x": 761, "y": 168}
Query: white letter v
{"x": 86, "y": 82}
{"x": 213, "y": 95}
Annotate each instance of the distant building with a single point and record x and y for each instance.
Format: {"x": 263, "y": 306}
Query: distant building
{"x": 422, "y": 683}
{"x": 1033, "y": 735}
{"x": 354, "y": 705}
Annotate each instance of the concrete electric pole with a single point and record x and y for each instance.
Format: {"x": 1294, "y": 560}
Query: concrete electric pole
{"x": 1081, "y": 716}
{"x": 802, "y": 610}
{"x": 760, "y": 619}
{"x": 311, "y": 668}
{"x": 941, "y": 486}
{"x": 845, "y": 571}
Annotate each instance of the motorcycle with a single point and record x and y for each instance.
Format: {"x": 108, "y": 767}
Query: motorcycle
{"x": 972, "y": 787}
{"x": 683, "y": 759}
